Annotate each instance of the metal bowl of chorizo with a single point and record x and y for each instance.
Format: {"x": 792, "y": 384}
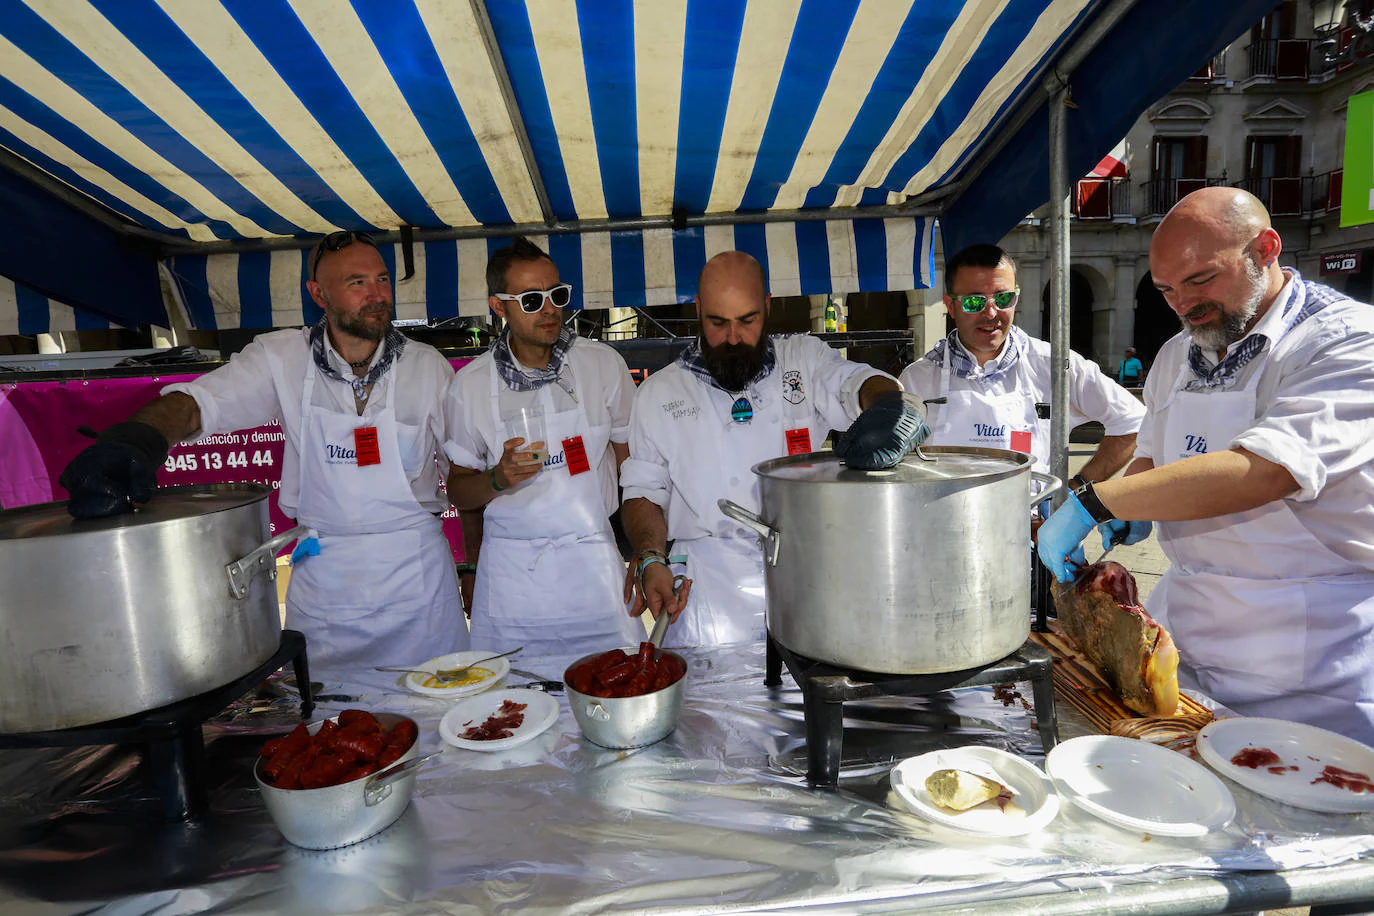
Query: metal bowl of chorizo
{"x": 626, "y": 697}
{"x": 339, "y": 781}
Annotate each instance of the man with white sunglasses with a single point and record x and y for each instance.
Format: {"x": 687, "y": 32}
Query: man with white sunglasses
{"x": 988, "y": 383}
{"x": 537, "y": 431}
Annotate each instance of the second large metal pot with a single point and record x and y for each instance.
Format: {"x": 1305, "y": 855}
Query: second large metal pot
{"x": 921, "y": 569}
{"x": 107, "y": 617}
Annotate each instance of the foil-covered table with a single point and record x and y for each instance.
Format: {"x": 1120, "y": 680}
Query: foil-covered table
{"x": 717, "y": 818}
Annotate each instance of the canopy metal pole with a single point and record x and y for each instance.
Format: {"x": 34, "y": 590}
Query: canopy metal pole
{"x": 1059, "y": 284}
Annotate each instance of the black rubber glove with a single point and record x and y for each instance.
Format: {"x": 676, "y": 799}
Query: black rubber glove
{"x": 120, "y": 467}
{"x": 890, "y": 427}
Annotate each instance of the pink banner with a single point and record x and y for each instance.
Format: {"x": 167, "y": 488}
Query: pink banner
{"x": 38, "y": 437}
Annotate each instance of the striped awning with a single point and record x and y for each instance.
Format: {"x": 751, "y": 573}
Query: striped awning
{"x": 624, "y": 130}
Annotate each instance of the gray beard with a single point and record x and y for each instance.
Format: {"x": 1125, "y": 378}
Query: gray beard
{"x": 1232, "y": 327}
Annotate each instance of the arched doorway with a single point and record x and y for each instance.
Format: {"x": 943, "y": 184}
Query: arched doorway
{"x": 1155, "y": 322}
{"x": 1080, "y": 314}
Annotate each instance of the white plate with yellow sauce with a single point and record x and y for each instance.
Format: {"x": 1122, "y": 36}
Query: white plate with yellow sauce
{"x": 482, "y": 677}
{"x": 1035, "y": 800}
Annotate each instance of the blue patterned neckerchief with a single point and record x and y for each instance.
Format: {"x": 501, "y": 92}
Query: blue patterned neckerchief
{"x": 694, "y": 361}
{"x": 392, "y": 346}
{"x": 966, "y": 367}
{"x": 1304, "y": 300}
{"x": 533, "y": 379}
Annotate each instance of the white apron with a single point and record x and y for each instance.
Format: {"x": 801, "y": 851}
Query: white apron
{"x": 1267, "y": 619}
{"x": 1006, "y": 421}
{"x": 728, "y": 593}
{"x": 383, "y": 590}
{"x": 550, "y": 577}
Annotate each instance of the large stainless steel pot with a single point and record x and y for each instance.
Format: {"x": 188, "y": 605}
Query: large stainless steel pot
{"x": 108, "y": 617}
{"x": 918, "y": 570}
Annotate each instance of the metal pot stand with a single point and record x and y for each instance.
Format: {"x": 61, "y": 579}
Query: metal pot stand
{"x": 825, "y": 688}
{"x": 175, "y": 744}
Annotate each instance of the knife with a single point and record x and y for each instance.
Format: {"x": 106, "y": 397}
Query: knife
{"x": 1082, "y": 574}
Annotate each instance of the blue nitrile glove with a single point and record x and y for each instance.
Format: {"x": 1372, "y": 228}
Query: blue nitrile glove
{"x": 308, "y": 546}
{"x": 1060, "y": 540}
{"x": 1123, "y": 532}
{"x": 883, "y": 434}
{"x": 120, "y": 467}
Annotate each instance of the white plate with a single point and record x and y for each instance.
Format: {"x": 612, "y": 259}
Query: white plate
{"x": 541, "y": 711}
{"x": 1140, "y": 785}
{"x": 1307, "y": 747}
{"x": 1034, "y": 793}
{"x": 499, "y": 668}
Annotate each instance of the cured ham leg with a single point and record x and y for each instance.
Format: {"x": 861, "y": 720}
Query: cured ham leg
{"x": 1101, "y": 612}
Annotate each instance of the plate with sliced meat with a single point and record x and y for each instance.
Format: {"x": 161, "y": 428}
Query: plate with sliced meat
{"x": 1296, "y": 764}
{"x": 498, "y": 719}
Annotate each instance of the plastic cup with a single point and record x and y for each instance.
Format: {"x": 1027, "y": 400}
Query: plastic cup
{"x": 528, "y": 424}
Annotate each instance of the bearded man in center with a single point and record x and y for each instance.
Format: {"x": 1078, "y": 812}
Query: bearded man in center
{"x": 735, "y": 397}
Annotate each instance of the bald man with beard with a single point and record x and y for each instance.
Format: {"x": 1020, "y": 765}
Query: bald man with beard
{"x": 735, "y": 397}
{"x": 1256, "y": 459}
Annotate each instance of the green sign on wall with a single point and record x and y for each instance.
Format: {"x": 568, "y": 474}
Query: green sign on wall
{"x": 1357, "y": 188}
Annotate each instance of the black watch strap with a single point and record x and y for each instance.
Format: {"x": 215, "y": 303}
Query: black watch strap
{"x": 1088, "y": 497}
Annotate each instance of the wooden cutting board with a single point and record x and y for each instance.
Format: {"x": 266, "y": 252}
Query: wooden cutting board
{"x": 1078, "y": 682}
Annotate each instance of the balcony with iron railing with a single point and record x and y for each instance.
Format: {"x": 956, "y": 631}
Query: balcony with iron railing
{"x": 1102, "y": 199}
{"x": 1301, "y": 196}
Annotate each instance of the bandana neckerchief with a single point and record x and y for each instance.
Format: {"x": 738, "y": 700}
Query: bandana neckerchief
{"x": 694, "y": 361}
{"x": 392, "y": 346}
{"x": 521, "y": 380}
{"x": 966, "y": 367}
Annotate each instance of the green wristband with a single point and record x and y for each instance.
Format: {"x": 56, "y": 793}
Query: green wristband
{"x": 494, "y": 485}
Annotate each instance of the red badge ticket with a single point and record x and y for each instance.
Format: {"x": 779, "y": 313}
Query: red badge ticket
{"x": 575, "y": 454}
{"x": 1021, "y": 441}
{"x": 798, "y": 441}
{"x": 366, "y": 447}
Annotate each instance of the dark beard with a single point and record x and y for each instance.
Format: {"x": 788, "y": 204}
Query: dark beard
{"x": 360, "y": 328}
{"x": 733, "y": 366}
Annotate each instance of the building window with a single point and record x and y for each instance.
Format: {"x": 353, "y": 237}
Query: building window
{"x": 1180, "y": 167}
{"x": 1272, "y": 173}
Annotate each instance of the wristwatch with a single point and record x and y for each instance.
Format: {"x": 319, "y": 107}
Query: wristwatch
{"x": 1087, "y": 496}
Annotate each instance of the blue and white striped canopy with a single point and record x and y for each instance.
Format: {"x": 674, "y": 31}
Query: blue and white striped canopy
{"x": 207, "y": 126}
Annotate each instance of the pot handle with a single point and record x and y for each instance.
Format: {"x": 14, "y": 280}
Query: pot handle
{"x": 749, "y": 520}
{"x": 1055, "y": 485}
{"x": 378, "y": 785}
{"x": 242, "y": 571}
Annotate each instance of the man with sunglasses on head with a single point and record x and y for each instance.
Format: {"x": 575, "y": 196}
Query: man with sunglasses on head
{"x": 1256, "y": 461}
{"x": 548, "y": 570}
{"x": 362, "y": 410}
{"x": 737, "y": 396}
{"x": 988, "y": 383}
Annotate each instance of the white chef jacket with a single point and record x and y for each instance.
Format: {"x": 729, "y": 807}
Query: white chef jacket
{"x": 811, "y": 389}
{"x": 265, "y": 381}
{"x": 1092, "y": 395}
{"x": 1315, "y": 416}
{"x": 605, "y": 390}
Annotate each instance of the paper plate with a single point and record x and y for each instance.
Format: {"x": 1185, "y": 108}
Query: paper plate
{"x": 1306, "y": 747}
{"x": 1139, "y": 785}
{"x": 1035, "y": 794}
{"x": 541, "y": 711}
{"x": 499, "y": 668}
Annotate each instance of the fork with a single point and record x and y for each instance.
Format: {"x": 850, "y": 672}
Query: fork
{"x": 450, "y": 674}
